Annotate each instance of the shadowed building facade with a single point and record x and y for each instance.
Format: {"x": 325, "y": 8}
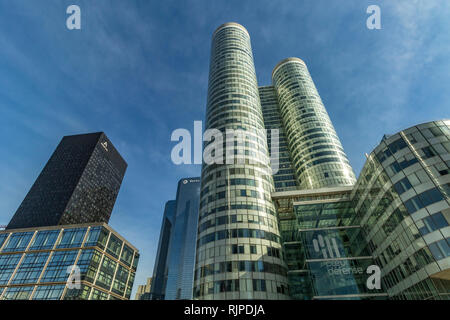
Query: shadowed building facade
{"x": 175, "y": 261}
{"x": 79, "y": 184}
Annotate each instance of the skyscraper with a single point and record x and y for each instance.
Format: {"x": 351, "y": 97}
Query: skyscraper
{"x": 318, "y": 158}
{"x": 158, "y": 288}
{"x": 175, "y": 261}
{"x": 183, "y": 242}
{"x": 79, "y": 184}
{"x": 239, "y": 250}
{"x": 60, "y": 227}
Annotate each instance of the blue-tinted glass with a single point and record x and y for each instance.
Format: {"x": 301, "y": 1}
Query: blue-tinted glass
{"x": 31, "y": 268}
{"x": 3, "y": 238}
{"x": 18, "y": 241}
{"x": 397, "y": 145}
{"x": 56, "y": 270}
{"x": 8, "y": 264}
{"x": 439, "y": 220}
{"x": 48, "y": 292}
{"x": 435, "y": 251}
{"x": 44, "y": 240}
{"x": 93, "y": 236}
{"x": 445, "y": 248}
{"x": 18, "y": 293}
{"x": 399, "y": 188}
{"x": 410, "y": 206}
{"x": 429, "y": 224}
{"x": 72, "y": 238}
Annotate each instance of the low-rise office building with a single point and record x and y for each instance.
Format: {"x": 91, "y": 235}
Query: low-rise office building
{"x": 36, "y": 263}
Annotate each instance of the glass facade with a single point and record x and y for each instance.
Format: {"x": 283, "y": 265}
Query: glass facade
{"x": 183, "y": 241}
{"x": 284, "y": 179}
{"x": 402, "y": 202}
{"x": 160, "y": 271}
{"x": 35, "y": 264}
{"x": 318, "y": 158}
{"x": 236, "y": 210}
{"x": 318, "y": 236}
{"x": 79, "y": 184}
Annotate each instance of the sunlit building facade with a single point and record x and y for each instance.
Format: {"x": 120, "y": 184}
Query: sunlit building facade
{"x": 183, "y": 241}
{"x": 402, "y": 203}
{"x": 238, "y": 228}
{"x": 35, "y": 263}
{"x": 318, "y": 158}
{"x": 173, "y": 273}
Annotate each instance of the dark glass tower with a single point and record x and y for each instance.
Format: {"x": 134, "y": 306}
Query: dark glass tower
{"x": 181, "y": 257}
{"x": 173, "y": 273}
{"x": 79, "y": 184}
{"x": 158, "y": 288}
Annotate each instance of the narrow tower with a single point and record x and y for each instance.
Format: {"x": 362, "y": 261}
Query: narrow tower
{"x": 239, "y": 250}
{"x": 317, "y": 155}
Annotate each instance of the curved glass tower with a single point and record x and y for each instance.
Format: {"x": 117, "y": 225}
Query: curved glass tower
{"x": 317, "y": 155}
{"x": 239, "y": 253}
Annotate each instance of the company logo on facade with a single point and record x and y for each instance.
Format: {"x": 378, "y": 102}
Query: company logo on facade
{"x": 327, "y": 246}
{"x": 105, "y": 145}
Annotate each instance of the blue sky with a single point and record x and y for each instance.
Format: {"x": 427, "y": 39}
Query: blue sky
{"x": 138, "y": 70}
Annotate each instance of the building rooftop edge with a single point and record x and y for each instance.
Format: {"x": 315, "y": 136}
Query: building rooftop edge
{"x": 70, "y": 226}
{"x": 228, "y": 24}
{"x": 291, "y": 59}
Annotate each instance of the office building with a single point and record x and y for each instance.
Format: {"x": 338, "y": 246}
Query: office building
{"x": 35, "y": 263}
{"x": 402, "y": 203}
{"x": 319, "y": 235}
{"x": 317, "y": 155}
{"x": 79, "y": 184}
{"x": 143, "y": 290}
{"x": 181, "y": 255}
{"x": 239, "y": 250}
{"x": 396, "y": 217}
{"x": 57, "y": 245}
{"x": 160, "y": 271}
{"x": 174, "y": 265}
{"x": 331, "y": 235}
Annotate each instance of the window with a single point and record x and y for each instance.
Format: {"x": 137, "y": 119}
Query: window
{"x": 433, "y": 222}
{"x": 422, "y": 200}
{"x": 428, "y": 152}
{"x": 72, "y": 238}
{"x": 30, "y": 268}
{"x": 56, "y": 270}
{"x": 237, "y": 249}
{"x": 48, "y": 292}
{"x": 44, "y": 240}
{"x": 402, "y": 186}
{"x": 114, "y": 246}
{"x": 18, "y": 241}
{"x": 259, "y": 285}
{"x": 440, "y": 249}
